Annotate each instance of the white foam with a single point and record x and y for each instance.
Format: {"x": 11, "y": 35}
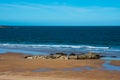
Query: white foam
{"x": 55, "y": 46}
{"x": 110, "y": 58}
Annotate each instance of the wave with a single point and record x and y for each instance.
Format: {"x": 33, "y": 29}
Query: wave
{"x": 52, "y": 46}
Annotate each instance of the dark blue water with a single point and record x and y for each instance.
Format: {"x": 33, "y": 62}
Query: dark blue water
{"x": 108, "y": 36}
{"x": 73, "y": 38}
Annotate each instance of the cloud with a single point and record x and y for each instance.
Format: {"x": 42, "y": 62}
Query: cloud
{"x": 17, "y": 6}
{"x": 41, "y": 6}
{"x": 58, "y": 12}
{"x": 57, "y": 7}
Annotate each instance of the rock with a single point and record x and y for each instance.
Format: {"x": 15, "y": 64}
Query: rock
{"x": 61, "y": 54}
{"x": 82, "y": 57}
{"x": 28, "y": 57}
{"x": 55, "y": 56}
{"x": 73, "y": 57}
{"x": 34, "y": 57}
{"x": 4, "y": 26}
{"x": 41, "y": 57}
{"x": 63, "y": 58}
{"x": 46, "y": 57}
{"x": 91, "y": 55}
{"x": 58, "y": 56}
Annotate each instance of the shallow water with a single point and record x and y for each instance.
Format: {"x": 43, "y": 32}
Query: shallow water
{"x": 110, "y": 58}
{"x": 106, "y": 66}
{"x": 5, "y": 50}
{"x": 72, "y": 69}
{"x": 43, "y": 70}
{"x": 78, "y": 68}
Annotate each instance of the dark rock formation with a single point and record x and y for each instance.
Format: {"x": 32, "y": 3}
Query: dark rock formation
{"x": 64, "y": 56}
{"x": 91, "y": 55}
{"x": 61, "y": 54}
{"x": 3, "y": 27}
{"x": 27, "y": 56}
{"x": 81, "y": 57}
{"x": 73, "y": 57}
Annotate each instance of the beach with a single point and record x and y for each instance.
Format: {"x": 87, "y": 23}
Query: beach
{"x": 13, "y": 66}
{"x": 59, "y": 40}
{"x": 18, "y": 44}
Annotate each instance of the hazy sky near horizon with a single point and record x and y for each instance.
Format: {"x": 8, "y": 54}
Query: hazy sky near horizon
{"x": 60, "y": 12}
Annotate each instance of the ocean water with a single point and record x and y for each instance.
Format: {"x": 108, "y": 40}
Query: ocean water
{"x": 103, "y": 40}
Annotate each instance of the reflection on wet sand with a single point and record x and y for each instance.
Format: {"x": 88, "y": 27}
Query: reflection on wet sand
{"x": 106, "y": 66}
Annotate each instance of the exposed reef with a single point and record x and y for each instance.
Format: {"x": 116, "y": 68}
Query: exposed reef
{"x": 63, "y": 56}
{"x": 4, "y": 27}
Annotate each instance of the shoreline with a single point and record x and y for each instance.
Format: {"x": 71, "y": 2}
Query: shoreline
{"x": 46, "y": 52}
{"x": 14, "y": 65}
{"x": 51, "y": 49}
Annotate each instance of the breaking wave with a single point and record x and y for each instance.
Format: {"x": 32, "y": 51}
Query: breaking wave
{"x": 51, "y": 46}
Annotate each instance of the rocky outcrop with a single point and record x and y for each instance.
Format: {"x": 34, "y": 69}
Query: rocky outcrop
{"x": 90, "y": 55}
{"x": 35, "y": 57}
{"x": 3, "y": 27}
{"x": 63, "y": 56}
{"x": 75, "y": 57}
{"x": 81, "y": 57}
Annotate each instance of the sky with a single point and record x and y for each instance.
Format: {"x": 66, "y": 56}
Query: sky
{"x": 60, "y": 12}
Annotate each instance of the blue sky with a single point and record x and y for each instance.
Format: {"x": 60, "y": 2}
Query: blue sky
{"x": 60, "y": 12}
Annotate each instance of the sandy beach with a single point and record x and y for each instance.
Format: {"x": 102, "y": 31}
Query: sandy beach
{"x": 13, "y": 66}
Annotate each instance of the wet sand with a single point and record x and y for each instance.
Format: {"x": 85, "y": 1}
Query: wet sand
{"x": 115, "y": 62}
{"x": 13, "y": 66}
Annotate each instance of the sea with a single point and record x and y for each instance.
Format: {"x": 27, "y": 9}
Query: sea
{"x": 37, "y": 40}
